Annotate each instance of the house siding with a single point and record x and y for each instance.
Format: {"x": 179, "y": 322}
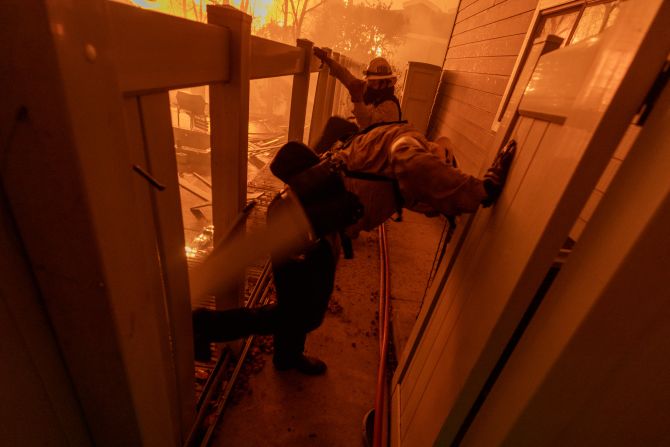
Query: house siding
{"x": 484, "y": 45}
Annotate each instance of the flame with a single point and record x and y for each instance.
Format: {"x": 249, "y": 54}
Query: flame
{"x": 151, "y": 4}
{"x": 262, "y": 11}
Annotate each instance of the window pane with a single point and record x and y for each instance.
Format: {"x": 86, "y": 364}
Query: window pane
{"x": 559, "y": 25}
{"x": 613, "y": 14}
{"x": 591, "y": 22}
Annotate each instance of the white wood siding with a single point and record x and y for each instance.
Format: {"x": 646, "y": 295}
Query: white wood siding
{"x": 509, "y": 249}
{"x": 484, "y": 46}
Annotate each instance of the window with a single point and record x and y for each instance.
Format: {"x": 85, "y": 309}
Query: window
{"x": 573, "y": 21}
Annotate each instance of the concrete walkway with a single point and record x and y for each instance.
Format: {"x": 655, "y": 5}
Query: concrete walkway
{"x": 288, "y": 409}
{"x": 412, "y": 246}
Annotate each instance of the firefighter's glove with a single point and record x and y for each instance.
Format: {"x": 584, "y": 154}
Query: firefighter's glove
{"x": 321, "y": 54}
{"x": 496, "y": 175}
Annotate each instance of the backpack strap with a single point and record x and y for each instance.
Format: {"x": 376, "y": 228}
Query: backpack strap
{"x": 380, "y": 178}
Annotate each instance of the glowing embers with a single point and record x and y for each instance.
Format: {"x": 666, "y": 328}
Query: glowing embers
{"x": 201, "y": 245}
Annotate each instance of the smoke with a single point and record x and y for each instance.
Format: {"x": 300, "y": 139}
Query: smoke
{"x": 287, "y": 233}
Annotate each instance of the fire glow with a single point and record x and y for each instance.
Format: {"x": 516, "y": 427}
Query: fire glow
{"x": 260, "y": 10}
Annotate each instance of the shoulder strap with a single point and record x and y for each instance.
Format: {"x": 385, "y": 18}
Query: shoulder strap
{"x": 368, "y": 176}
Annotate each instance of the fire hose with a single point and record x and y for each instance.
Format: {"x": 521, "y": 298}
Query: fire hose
{"x": 384, "y": 304}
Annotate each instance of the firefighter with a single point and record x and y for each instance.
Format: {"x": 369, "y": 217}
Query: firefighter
{"x": 393, "y": 166}
{"x": 373, "y": 97}
{"x": 304, "y": 282}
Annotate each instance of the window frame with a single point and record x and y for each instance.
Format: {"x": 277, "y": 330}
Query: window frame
{"x": 543, "y": 9}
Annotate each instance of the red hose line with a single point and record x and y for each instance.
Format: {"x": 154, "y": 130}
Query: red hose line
{"x": 384, "y": 300}
{"x": 382, "y": 284}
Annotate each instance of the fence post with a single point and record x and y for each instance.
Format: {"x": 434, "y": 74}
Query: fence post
{"x": 330, "y": 92}
{"x": 337, "y": 96}
{"x": 229, "y": 114}
{"x": 317, "y": 122}
{"x": 299, "y": 92}
{"x": 156, "y": 128}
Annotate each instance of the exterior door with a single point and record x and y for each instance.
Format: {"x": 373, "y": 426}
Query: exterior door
{"x": 593, "y": 365}
{"x": 574, "y": 111}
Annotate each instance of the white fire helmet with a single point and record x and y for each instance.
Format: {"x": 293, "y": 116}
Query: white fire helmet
{"x": 379, "y": 68}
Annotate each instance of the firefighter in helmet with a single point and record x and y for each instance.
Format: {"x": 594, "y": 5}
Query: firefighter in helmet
{"x": 348, "y": 184}
{"x": 373, "y": 97}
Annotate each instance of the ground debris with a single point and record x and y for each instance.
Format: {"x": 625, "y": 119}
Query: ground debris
{"x": 253, "y": 364}
{"x": 201, "y": 374}
{"x": 265, "y": 343}
{"x": 334, "y": 307}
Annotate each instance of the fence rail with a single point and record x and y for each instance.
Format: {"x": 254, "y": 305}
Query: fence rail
{"x": 154, "y": 53}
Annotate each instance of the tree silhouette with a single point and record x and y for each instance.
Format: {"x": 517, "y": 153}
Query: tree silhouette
{"x": 298, "y": 10}
{"x": 361, "y": 31}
